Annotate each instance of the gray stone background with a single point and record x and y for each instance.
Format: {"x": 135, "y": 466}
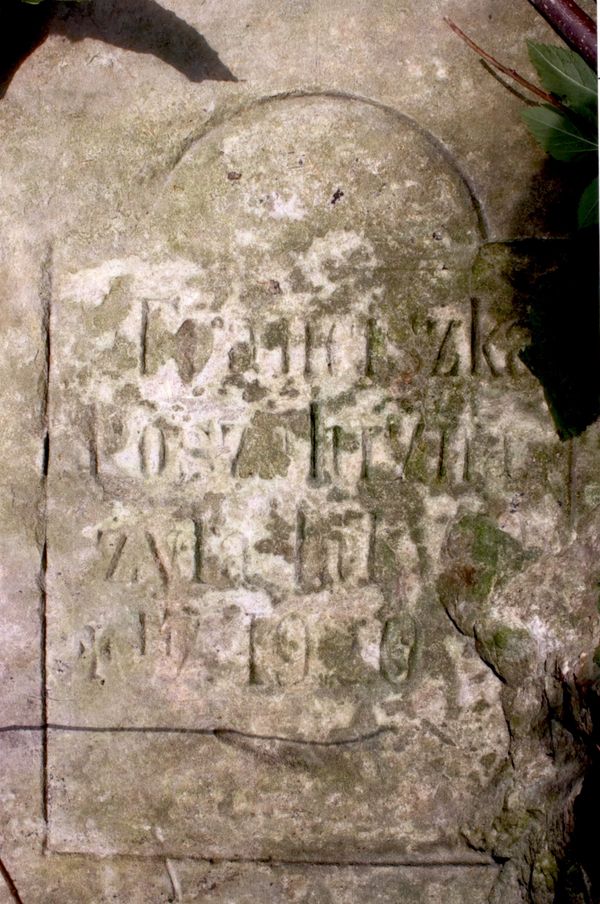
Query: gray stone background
{"x": 89, "y": 132}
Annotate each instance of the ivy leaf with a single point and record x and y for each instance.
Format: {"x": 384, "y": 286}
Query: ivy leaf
{"x": 558, "y": 134}
{"x": 587, "y": 213}
{"x": 565, "y": 74}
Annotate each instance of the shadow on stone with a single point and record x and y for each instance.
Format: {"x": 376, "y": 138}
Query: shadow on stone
{"x": 555, "y": 289}
{"x": 555, "y": 284}
{"x": 579, "y": 876}
{"x": 22, "y": 29}
{"x": 142, "y": 26}
{"x": 550, "y": 204}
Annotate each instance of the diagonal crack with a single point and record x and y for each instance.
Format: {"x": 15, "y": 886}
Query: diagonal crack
{"x": 10, "y": 883}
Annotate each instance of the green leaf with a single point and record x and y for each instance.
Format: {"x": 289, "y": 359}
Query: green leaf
{"x": 565, "y": 74}
{"x": 557, "y": 134}
{"x": 587, "y": 213}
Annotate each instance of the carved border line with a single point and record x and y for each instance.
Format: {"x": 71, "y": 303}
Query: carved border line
{"x": 398, "y": 863}
{"x": 45, "y": 292}
{"x": 226, "y": 115}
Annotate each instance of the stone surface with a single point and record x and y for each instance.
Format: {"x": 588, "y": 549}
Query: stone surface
{"x": 58, "y": 878}
{"x": 299, "y": 585}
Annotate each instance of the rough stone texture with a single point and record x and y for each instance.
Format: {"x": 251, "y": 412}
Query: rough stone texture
{"x": 299, "y": 586}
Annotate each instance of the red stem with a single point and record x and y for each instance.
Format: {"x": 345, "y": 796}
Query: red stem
{"x": 575, "y": 27}
{"x": 511, "y": 73}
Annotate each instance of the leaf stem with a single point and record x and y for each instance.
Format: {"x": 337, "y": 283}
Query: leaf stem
{"x": 511, "y": 73}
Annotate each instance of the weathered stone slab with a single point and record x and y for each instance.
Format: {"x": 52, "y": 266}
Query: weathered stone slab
{"x": 311, "y": 579}
{"x": 264, "y": 416}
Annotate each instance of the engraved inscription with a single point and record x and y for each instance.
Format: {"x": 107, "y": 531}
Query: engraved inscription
{"x": 266, "y": 416}
{"x": 261, "y": 462}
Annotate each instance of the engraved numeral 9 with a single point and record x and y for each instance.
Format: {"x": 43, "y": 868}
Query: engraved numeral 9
{"x": 397, "y": 649}
{"x": 278, "y": 653}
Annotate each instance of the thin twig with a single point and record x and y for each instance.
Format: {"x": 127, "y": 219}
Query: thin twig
{"x": 511, "y": 73}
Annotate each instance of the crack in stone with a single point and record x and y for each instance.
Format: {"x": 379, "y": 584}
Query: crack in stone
{"x": 343, "y": 742}
{"x": 10, "y": 883}
{"x": 206, "y": 732}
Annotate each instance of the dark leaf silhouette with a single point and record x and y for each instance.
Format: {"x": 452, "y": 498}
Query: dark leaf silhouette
{"x": 142, "y": 26}
{"x": 558, "y": 300}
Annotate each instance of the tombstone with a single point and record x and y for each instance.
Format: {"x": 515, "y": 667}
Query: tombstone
{"x": 308, "y": 546}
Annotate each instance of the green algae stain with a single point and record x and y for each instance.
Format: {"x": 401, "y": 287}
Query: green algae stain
{"x": 262, "y": 451}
